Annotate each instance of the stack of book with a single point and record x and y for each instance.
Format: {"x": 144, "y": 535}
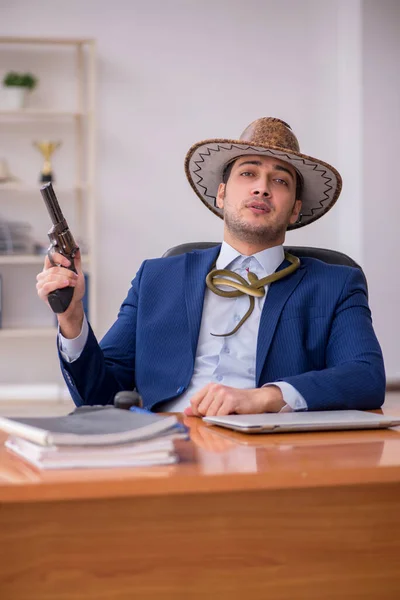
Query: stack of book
{"x": 93, "y": 437}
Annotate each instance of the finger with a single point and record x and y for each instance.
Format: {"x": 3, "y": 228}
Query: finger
{"x": 216, "y": 393}
{"x": 188, "y": 412}
{"x": 230, "y": 403}
{"x": 56, "y": 275}
{"x": 214, "y": 406}
{"x": 57, "y": 279}
{"x": 56, "y": 259}
{"x": 224, "y": 409}
{"x": 197, "y": 398}
{"x": 56, "y": 272}
{"x": 211, "y": 397}
{"x": 195, "y": 412}
{"x": 51, "y": 286}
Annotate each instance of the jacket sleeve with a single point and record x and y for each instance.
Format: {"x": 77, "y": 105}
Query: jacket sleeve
{"x": 354, "y": 377}
{"x": 106, "y": 368}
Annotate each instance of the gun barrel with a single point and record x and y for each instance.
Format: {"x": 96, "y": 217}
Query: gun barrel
{"x": 52, "y": 203}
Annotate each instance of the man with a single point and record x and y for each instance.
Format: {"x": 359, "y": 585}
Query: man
{"x": 242, "y": 327}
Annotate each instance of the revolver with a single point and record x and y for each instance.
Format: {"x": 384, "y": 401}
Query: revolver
{"x": 61, "y": 241}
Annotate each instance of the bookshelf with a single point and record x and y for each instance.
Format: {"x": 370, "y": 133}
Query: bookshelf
{"x": 67, "y": 67}
{"x": 32, "y": 332}
{"x": 26, "y": 113}
{"x": 35, "y": 259}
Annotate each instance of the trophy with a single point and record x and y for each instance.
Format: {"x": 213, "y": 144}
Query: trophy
{"x": 47, "y": 149}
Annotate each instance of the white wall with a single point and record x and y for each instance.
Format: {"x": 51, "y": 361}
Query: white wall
{"x": 381, "y": 198}
{"x": 173, "y": 72}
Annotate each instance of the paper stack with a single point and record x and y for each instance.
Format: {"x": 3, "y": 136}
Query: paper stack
{"x": 93, "y": 437}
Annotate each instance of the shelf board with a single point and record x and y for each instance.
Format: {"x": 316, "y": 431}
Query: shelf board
{"x": 35, "y": 332}
{"x": 23, "y": 187}
{"x": 37, "y": 113}
{"x": 21, "y": 259}
{"x": 30, "y": 259}
{"x": 51, "y": 41}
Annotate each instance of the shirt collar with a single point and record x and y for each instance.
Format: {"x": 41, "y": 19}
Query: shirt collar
{"x": 269, "y": 259}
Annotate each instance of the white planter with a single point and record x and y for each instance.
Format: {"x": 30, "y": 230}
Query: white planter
{"x": 13, "y": 97}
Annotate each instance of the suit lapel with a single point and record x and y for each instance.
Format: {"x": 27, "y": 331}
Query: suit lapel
{"x": 197, "y": 265}
{"x": 278, "y": 294}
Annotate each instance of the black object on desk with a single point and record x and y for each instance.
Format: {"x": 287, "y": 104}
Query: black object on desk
{"x": 127, "y": 399}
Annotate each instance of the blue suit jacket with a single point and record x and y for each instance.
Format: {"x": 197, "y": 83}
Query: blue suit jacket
{"x": 315, "y": 333}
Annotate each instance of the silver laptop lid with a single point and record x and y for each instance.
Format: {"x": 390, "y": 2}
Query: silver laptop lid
{"x": 304, "y": 421}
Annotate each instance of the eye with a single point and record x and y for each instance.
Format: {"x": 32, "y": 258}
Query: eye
{"x": 281, "y": 181}
{"x": 246, "y": 173}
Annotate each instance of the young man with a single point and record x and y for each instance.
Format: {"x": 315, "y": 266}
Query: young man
{"x": 243, "y": 327}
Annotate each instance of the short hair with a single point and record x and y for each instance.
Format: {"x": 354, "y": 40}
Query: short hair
{"x": 299, "y": 179}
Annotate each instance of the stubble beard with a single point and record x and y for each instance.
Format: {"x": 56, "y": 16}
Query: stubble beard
{"x": 254, "y": 234}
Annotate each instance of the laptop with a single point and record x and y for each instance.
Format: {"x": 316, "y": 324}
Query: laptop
{"x": 330, "y": 420}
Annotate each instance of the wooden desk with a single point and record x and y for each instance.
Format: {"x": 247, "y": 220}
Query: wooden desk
{"x": 292, "y": 516}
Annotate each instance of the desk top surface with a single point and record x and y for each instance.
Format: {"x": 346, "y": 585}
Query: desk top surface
{"x": 218, "y": 460}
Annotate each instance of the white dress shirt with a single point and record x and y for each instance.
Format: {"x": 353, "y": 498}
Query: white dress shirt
{"x": 228, "y": 360}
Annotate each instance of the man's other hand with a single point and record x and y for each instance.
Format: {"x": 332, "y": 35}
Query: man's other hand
{"x": 216, "y": 399}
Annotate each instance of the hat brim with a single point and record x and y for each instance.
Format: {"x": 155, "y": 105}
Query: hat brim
{"x": 206, "y": 160}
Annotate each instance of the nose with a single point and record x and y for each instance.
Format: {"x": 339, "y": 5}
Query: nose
{"x": 261, "y": 189}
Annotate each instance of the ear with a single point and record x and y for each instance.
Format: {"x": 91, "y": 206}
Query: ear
{"x": 295, "y": 212}
{"x": 221, "y": 195}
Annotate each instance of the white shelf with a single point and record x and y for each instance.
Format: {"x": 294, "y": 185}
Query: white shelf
{"x": 32, "y": 332}
{"x": 31, "y": 113}
{"x": 30, "y": 259}
{"x": 21, "y": 259}
{"x": 43, "y": 395}
{"x": 24, "y": 188}
{"x": 45, "y": 41}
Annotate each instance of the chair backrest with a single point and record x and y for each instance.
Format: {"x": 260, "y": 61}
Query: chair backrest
{"x": 333, "y": 257}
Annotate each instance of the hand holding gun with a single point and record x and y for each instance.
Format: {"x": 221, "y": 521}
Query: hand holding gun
{"x": 61, "y": 242}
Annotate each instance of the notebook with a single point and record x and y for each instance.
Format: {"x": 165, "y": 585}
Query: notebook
{"x": 304, "y": 421}
{"x": 159, "y": 451}
{"x": 91, "y": 426}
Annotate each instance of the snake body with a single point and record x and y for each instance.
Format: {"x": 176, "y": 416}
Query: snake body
{"x": 253, "y": 288}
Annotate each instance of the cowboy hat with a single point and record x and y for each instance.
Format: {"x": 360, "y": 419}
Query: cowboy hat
{"x": 206, "y": 161}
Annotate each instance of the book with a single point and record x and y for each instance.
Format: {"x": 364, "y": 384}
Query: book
{"x": 86, "y": 426}
{"x": 153, "y": 452}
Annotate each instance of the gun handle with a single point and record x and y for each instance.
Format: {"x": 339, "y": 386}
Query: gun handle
{"x": 59, "y": 300}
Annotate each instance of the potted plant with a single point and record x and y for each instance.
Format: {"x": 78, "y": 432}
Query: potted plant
{"x": 16, "y": 86}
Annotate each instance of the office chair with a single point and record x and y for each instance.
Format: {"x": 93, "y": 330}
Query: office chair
{"x": 332, "y": 257}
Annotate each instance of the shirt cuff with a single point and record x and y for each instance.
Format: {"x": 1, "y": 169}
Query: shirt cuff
{"x": 71, "y": 350}
{"x": 293, "y": 399}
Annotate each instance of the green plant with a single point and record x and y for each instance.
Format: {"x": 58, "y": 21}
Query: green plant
{"x": 20, "y": 79}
